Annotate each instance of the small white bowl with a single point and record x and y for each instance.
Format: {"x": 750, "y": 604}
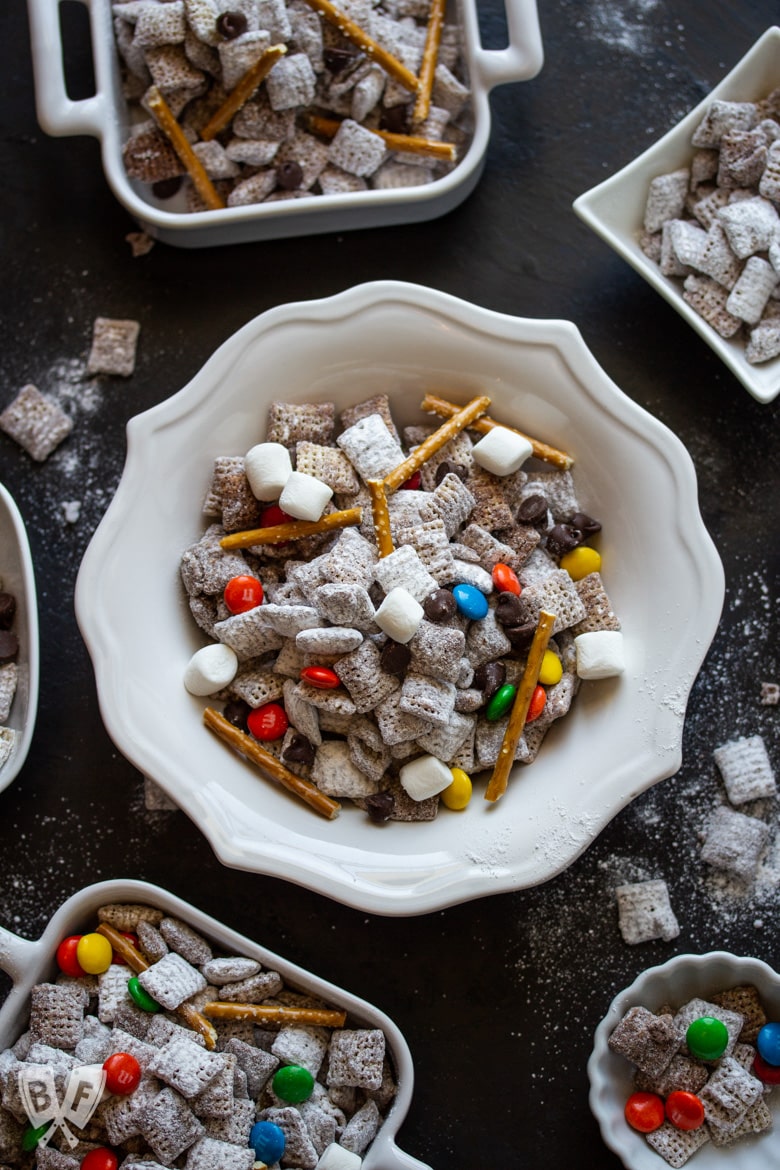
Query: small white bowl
{"x": 30, "y": 962}
{"x": 16, "y": 574}
{"x": 661, "y": 570}
{"x": 610, "y": 1074}
{"x": 615, "y": 208}
{"x": 105, "y": 116}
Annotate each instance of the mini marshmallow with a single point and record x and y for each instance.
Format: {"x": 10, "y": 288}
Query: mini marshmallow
{"x": 399, "y": 615}
{"x": 304, "y": 497}
{"x": 424, "y": 777}
{"x": 336, "y": 1157}
{"x": 600, "y": 654}
{"x": 210, "y": 669}
{"x": 501, "y": 451}
{"x": 267, "y": 467}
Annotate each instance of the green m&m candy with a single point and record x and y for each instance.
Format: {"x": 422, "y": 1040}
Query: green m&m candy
{"x": 293, "y": 1083}
{"x": 32, "y": 1136}
{"x": 141, "y": 997}
{"x": 707, "y": 1038}
{"x": 501, "y": 702}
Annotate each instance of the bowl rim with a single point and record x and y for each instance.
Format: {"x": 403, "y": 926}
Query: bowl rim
{"x": 27, "y": 614}
{"x": 351, "y": 875}
{"x": 762, "y": 381}
{"x": 702, "y": 978}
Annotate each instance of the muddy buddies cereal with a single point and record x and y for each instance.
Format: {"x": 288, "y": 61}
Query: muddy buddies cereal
{"x": 714, "y": 224}
{"x": 701, "y": 1075}
{"x": 250, "y": 101}
{"x": 185, "y": 1056}
{"x": 431, "y": 624}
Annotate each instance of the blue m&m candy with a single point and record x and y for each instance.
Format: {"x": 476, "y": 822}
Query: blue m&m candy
{"x": 267, "y": 1140}
{"x": 768, "y": 1043}
{"x": 471, "y": 602}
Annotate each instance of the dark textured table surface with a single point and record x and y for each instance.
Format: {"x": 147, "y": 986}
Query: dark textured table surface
{"x": 498, "y": 998}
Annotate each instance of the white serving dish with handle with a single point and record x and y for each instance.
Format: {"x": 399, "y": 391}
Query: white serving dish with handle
{"x": 664, "y": 578}
{"x": 29, "y": 962}
{"x": 17, "y": 576}
{"x": 105, "y": 116}
{"x": 615, "y": 208}
{"x": 611, "y": 1075}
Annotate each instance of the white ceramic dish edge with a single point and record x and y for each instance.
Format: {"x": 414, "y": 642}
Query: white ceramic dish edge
{"x": 371, "y": 877}
{"x": 101, "y": 116}
{"x": 614, "y": 209}
{"x": 16, "y": 572}
{"x": 30, "y": 962}
{"x": 674, "y": 982}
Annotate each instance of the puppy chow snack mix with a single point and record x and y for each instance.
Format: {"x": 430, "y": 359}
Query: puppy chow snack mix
{"x": 216, "y": 1082}
{"x": 714, "y": 226}
{"x": 701, "y": 1073}
{"x": 266, "y": 100}
{"x": 373, "y": 652}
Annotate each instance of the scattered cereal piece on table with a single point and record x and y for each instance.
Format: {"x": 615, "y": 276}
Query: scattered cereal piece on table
{"x": 35, "y": 422}
{"x": 113, "y": 347}
{"x": 645, "y": 912}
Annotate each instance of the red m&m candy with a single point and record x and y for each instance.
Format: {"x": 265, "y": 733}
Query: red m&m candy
{"x": 412, "y": 484}
{"x": 243, "y": 593}
{"x": 684, "y": 1110}
{"x": 505, "y": 579}
{"x": 123, "y": 1073}
{"x": 644, "y": 1112}
{"x": 66, "y": 957}
{"x": 536, "y": 706}
{"x": 273, "y": 515}
{"x": 100, "y": 1159}
{"x": 768, "y": 1073}
{"x": 267, "y": 722}
{"x": 320, "y": 676}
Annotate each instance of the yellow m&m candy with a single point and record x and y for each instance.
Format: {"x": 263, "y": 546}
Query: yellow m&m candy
{"x": 457, "y": 794}
{"x": 94, "y": 953}
{"x": 581, "y": 561}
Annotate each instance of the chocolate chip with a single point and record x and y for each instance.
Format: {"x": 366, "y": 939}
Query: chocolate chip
{"x": 7, "y": 610}
{"x": 533, "y": 510}
{"x": 510, "y": 610}
{"x": 396, "y": 120}
{"x": 337, "y": 59}
{"x": 231, "y": 25}
{"x": 489, "y": 677}
{"x": 236, "y": 712}
{"x": 562, "y": 538}
{"x": 440, "y": 606}
{"x": 380, "y": 806}
{"x": 299, "y": 750}
{"x": 445, "y": 467}
{"x": 394, "y": 657}
{"x": 521, "y": 636}
{"x": 289, "y": 175}
{"x": 167, "y": 188}
{"x": 585, "y": 523}
{"x": 9, "y": 646}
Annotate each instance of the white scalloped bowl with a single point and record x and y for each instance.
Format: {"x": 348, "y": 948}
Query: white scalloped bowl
{"x": 17, "y": 576}
{"x": 615, "y": 208}
{"x": 29, "y": 962}
{"x": 661, "y": 569}
{"x": 675, "y": 982}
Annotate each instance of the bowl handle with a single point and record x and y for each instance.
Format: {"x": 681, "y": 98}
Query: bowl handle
{"x": 524, "y": 55}
{"x": 16, "y": 954}
{"x": 395, "y": 1159}
{"x": 57, "y": 114}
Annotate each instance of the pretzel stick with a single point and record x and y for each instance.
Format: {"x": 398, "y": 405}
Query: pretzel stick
{"x": 252, "y": 751}
{"x": 158, "y": 106}
{"x": 279, "y": 533}
{"x": 242, "y": 92}
{"x": 462, "y": 418}
{"x": 355, "y": 33}
{"x": 138, "y": 962}
{"x": 384, "y": 537}
{"x": 410, "y": 143}
{"x": 514, "y": 729}
{"x": 430, "y": 57}
{"x": 270, "y": 1014}
{"x": 435, "y": 405}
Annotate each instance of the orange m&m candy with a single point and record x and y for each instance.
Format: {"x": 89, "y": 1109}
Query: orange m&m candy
{"x": 505, "y": 579}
